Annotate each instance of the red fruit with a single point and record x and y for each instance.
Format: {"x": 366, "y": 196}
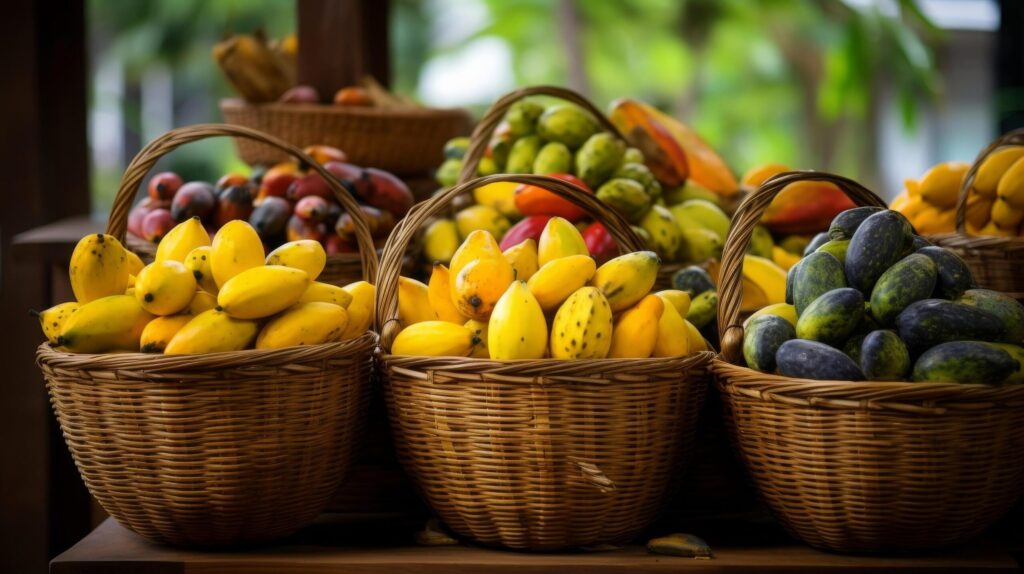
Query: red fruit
{"x": 334, "y": 211}
{"x": 535, "y": 200}
{"x": 163, "y": 186}
{"x": 231, "y": 179}
{"x": 233, "y": 202}
{"x": 300, "y": 95}
{"x": 528, "y": 228}
{"x": 353, "y": 96}
{"x": 277, "y": 180}
{"x": 380, "y": 223}
{"x": 194, "y": 199}
{"x": 355, "y": 178}
{"x": 309, "y": 184}
{"x": 140, "y": 211}
{"x": 312, "y": 208}
{"x": 387, "y": 192}
{"x": 270, "y": 217}
{"x": 300, "y": 229}
{"x": 325, "y": 153}
{"x": 334, "y": 245}
{"x": 156, "y": 224}
{"x": 600, "y": 243}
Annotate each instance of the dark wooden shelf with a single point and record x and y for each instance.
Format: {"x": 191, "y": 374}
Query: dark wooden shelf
{"x": 370, "y": 545}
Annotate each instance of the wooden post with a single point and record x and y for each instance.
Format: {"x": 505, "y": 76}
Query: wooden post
{"x": 340, "y": 41}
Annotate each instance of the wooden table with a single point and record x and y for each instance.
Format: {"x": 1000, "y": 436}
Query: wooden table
{"x": 354, "y": 545}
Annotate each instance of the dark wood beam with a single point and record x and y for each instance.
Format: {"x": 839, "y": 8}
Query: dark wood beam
{"x": 340, "y": 41}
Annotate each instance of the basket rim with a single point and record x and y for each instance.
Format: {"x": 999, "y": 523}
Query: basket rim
{"x": 160, "y": 363}
{"x": 238, "y": 104}
{"x": 960, "y": 240}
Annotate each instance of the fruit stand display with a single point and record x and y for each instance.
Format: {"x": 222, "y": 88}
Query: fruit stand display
{"x": 888, "y": 349}
{"x": 227, "y": 386}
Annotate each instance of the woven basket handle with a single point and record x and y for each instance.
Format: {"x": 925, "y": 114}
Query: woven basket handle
{"x": 398, "y": 241}
{"x": 154, "y": 150}
{"x": 730, "y": 279}
{"x": 485, "y": 128}
{"x": 1014, "y": 137}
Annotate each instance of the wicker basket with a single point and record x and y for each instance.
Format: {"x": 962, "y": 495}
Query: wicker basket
{"x": 404, "y": 142}
{"x": 865, "y": 466}
{"x": 540, "y": 454}
{"x": 215, "y": 449}
{"x": 996, "y": 262}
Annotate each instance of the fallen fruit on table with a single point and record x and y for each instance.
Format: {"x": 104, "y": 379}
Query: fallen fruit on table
{"x": 224, "y": 297}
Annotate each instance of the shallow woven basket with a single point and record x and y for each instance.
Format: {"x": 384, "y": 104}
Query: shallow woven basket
{"x": 341, "y": 269}
{"x": 536, "y": 454}
{"x": 996, "y": 262}
{"x": 865, "y": 466}
{"x": 405, "y": 142}
{"x": 215, "y": 449}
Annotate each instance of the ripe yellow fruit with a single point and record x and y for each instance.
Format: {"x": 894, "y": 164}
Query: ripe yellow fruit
{"x": 666, "y": 235}
{"x": 440, "y": 240}
{"x": 305, "y": 254}
{"x": 582, "y": 328}
{"x": 991, "y": 171}
{"x": 112, "y": 323}
{"x": 181, "y": 240}
{"x": 694, "y": 339}
{"x": 558, "y": 279}
{"x": 932, "y": 220}
{"x": 414, "y": 302}
{"x": 135, "y": 263}
{"x": 500, "y": 195}
{"x": 262, "y": 291}
{"x": 480, "y": 284}
{"x": 212, "y": 331}
{"x": 360, "y": 310}
{"x": 940, "y": 186}
{"x": 479, "y": 328}
{"x": 165, "y": 287}
{"x": 236, "y": 248}
{"x": 201, "y": 301}
{"x": 993, "y": 229}
{"x": 678, "y": 299}
{"x": 478, "y": 245}
{"x": 979, "y": 210}
{"x": 99, "y": 267}
{"x": 636, "y": 329}
{"x": 783, "y": 258}
{"x": 52, "y": 320}
{"x": 672, "y": 339}
{"x": 159, "y": 332}
{"x": 900, "y": 201}
{"x": 523, "y": 258}
{"x": 1011, "y": 185}
{"x": 559, "y": 238}
{"x": 439, "y": 292}
{"x": 768, "y": 276}
{"x": 326, "y": 293}
{"x": 625, "y": 279}
{"x": 517, "y": 328}
{"x": 304, "y": 324}
{"x": 913, "y": 206}
{"x": 198, "y": 261}
{"x": 434, "y": 339}
{"x": 1005, "y": 215}
{"x": 784, "y": 310}
{"x": 481, "y": 217}
{"x": 913, "y": 187}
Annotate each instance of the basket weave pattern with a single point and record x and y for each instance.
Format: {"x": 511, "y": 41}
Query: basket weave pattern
{"x": 541, "y": 454}
{"x": 865, "y": 466}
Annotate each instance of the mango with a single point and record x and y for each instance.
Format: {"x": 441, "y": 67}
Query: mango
{"x": 625, "y": 196}
{"x": 567, "y": 124}
{"x": 598, "y": 158}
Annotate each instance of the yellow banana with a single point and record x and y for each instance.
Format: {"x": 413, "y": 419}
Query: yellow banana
{"x": 678, "y": 299}
{"x": 940, "y": 186}
{"x": 135, "y": 263}
{"x": 672, "y": 339}
{"x": 481, "y": 217}
{"x": 130, "y": 291}
{"x": 480, "y": 284}
{"x": 236, "y": 248}
{"x": 582, "y": 328}
{"x": 262, "y": 291}
{"x": 479, "y": 328}
{"x": 517, "y": 328}
{"x": 201, "y": 301}
{"x": 160, "y": 331}
{"x": 440, "y": 294}
{"x": 523, "y": 258}
{"x": 499, "y": 195}
{"x": 212, "y": 331}
{"x": 1011, "y": 185}
{"x": 360, "y": 310}
{"x": 991, "y": 171}
{"x": 181, "y": 240}
{"x": 52, "y": 320}
{"x": 666, "y": 236}
{"x": 434, "y": 339}
{"x": 694, "y": 339}
{"x": 99, "y": 267}
{"x": 165, "y": 287}
{"x": 768, "y": 276}
{"x": 1006, "y": 215}
{"x": 783, "y": 258}
{"x": 304, "y": 324}
{"x": 559, "y": 278}
{"x": 326, "y": 293}
{"x": 112, "y": 323}
{"x": 784, "y": 310}
{"x": 198, "y": 262}
{"x": 440, "y": 240}
{"x": 414, "y": 302}
{"x": 636, "y": 330}
{"x": 559, "y": 238}
{"x": 625, "y": 279}
{"x": 305, "y": 254}
{"x": 478, "y": 245}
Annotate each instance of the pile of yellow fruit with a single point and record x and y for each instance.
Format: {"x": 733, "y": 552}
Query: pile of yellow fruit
{"x": 198, "y": 297}
{"x": 545, "y": 298}
{"x": 995, "y": 205}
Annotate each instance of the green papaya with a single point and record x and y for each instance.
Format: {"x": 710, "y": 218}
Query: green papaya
{"x": 500, "y": 148}
{"x": 522, "y": 155}
{"x": 640, "y": 173}
{"x": 816, "y": 242}
{"x": 666, "y": 237}
{"x": 953, "y": 275}
{"x": 910, "y": 279}
{"x": 692, "y": 279}
{"x": 1009, "y": 311}
{"x": 762, "y": 338}
{"x": 699, "y": 244}
{"x": 818, "y": 273}
{"x": 448, "y": 174}
{"x": 633, "y": 155}
{"x": 566, "y": 124}
{"x": 598, "y": 158}
{"x": 554, "y": 157}
{"x": 522, "y": 117}
{"x": 625, "y": 196}
{"x": 814, "y": 360}
{"x": 930, "y": 322}
{"x": 878, "y": 243}
{"x": 884, "y": 357}
{"x": 703, "y": 309}
{"x": 487, "y": 166}
{"x": 964, "y": 362}
{"x": 456, "y": 147}
{"x": 1017, "y": 353}
{"x": 832, "y": 317}
{"x": 846, "y": 223}
{"x": 761, "y": 242}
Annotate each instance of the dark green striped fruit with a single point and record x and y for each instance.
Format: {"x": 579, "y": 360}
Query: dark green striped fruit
{"x": 818, "y": 274}
{"x": 930, "y": 322}
{"x": 816, "y": 242}
{"x": 703, "y": 308}
{"x": 953, "y": 275}
{"x": 832, "y": 317}
{"x": 814, "y": 360}
{"x": 964, "y": 362}
{"x": 884, "y": 357}
{"x": 846, "y": 223}
{"x": 1009, "y": 311}
{"x": 910, "y": 279}
{"x": 1017, "y": 353}
{"x": 878, "y": 243}
{"x": 920, "y": 242}
{"x": 692, "y": 279}
{"x": 762, "y": 338}
{"x": 851, "y": 348}
{"x": 790, "y": 281}
{"x": 837, "y": 247}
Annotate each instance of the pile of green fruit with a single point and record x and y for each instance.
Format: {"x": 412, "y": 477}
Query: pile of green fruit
{"x": 878, "y": 302}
